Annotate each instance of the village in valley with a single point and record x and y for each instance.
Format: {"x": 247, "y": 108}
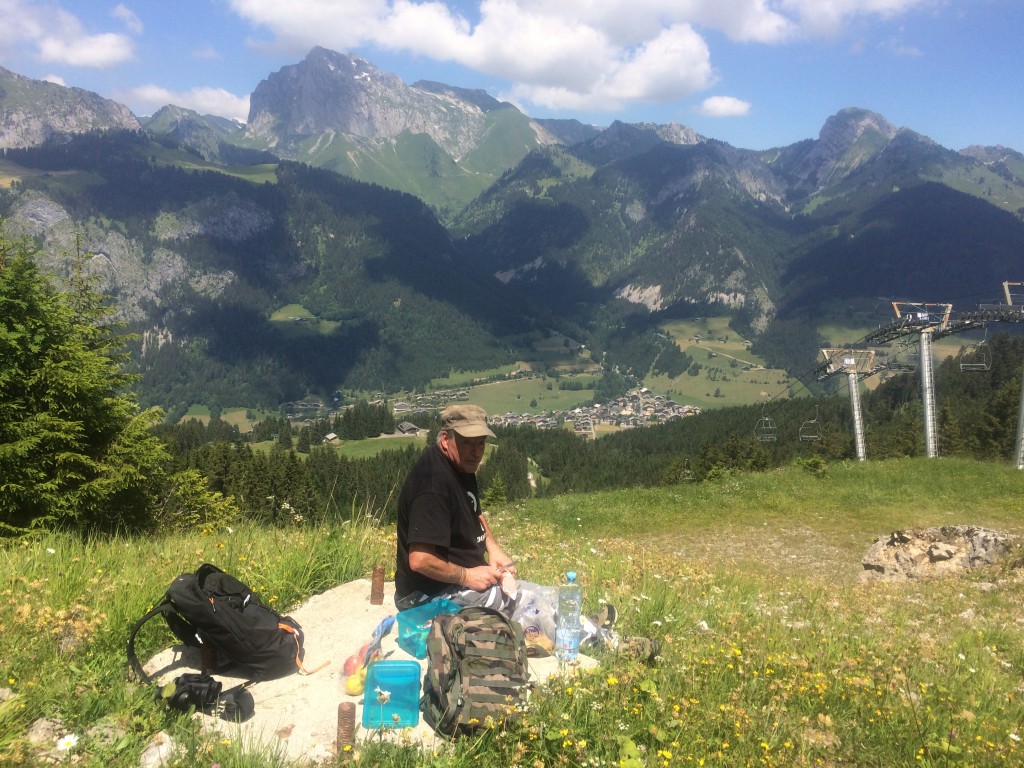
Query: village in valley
{"x": 637, "y": 408}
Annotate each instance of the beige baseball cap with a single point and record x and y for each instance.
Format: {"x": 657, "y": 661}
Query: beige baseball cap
{"x": 467, "y": 420}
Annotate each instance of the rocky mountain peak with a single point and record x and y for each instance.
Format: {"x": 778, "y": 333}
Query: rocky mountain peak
{"x": 329, "y": 92}
{"x": 32, "y": 111}
{"x": 849, "y": 126}
{"x": 676, "y": 133}
{"x": 847, "y": 140}
{"x": 204, "y": 134}
{"x": 994, "y": 154}
{"x": 477, "y": 96}
{"x": 638, "y": 137}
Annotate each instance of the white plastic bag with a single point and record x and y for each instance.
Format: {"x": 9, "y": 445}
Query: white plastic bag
{"x": 537, "y": 609}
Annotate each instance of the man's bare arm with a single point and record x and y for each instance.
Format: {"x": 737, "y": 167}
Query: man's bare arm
{"x": 424, "y": 559}
{"x": 495, "y": 554}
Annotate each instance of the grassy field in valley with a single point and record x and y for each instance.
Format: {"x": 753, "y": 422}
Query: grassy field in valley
{"x": 362, "y": 449}
{"x": 234, "y": 416}
{"x": 294, "y": 320}
{"x": 529, "y": 396}
{"x": 729, "y": 374}
{"x": 774, "y": 652}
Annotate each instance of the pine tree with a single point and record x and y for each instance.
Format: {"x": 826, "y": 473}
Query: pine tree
{"x": 302, "y": 445}
{"x": 75, "y": 452}
{"x": 496, "y": 495}
{"x": 284, "y": 435}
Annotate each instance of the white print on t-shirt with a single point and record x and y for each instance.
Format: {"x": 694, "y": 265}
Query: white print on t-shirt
{"x": 472, "y": 503}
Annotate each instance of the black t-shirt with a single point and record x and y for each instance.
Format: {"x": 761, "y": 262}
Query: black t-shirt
{"x": 438, "y": 506}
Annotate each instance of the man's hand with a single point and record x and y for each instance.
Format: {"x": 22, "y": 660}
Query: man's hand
{"x": 481, "y": 577}
{"x": 507, "y": 567}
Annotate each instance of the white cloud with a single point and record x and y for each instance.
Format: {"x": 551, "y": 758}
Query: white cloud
{"x": 897, "y": 47}
{"x": 724, "y": 106}
{"x": 128, "y": 17}
{"x": 596, "y": 54}
{"x": 298, "y": 25}
{"x": 828, "y": 17}
{"x": 674, "y": 64}
{"x": 98, "y": 51}
{"x": 57, "y": 36}
{"x": 55, "y": 79}
{"x": 20, "y": 23}
{"x": 206, "y": 52}
{"x": 147, "y": 99}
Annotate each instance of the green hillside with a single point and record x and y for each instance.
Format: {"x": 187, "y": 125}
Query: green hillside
{"x": 772, "y": 650}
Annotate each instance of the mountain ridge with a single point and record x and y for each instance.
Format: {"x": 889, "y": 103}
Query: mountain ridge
{"x": 597, "y": 237}
{"x": 34, "y": 111}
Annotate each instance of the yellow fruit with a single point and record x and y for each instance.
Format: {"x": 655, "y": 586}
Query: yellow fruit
{"x": 355, "y": 683}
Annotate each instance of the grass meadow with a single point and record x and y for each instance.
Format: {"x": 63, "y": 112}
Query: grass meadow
{"x": 730, "y": 375}
{"x": 774, "y": 652}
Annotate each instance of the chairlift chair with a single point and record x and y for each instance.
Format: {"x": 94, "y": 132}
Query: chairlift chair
{"x": 765, "y": 430}
{"x": 977, "y": 357}
{"x": 811, "y": 430}
{"x": 905, "y": 359}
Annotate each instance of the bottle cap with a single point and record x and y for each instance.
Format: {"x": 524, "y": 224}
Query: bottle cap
{"x": 570, "y": 576}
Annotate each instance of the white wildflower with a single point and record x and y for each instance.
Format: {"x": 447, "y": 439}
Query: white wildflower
{"x": 67, "y": 742}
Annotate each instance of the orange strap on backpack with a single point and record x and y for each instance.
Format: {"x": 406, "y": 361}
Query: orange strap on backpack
{"x": 298, "y": 648}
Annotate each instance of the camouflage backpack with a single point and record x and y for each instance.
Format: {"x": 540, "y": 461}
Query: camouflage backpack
{"x": 476, "y": 669}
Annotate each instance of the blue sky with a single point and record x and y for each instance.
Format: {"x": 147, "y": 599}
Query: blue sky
{"x": 754, "y": 73}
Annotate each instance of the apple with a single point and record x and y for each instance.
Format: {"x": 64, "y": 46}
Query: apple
{"x": 353, "y": 663}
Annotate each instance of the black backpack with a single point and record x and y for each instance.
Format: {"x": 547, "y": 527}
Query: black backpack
{"x": 212, "y": 608}
{"x": 477, "y": 671}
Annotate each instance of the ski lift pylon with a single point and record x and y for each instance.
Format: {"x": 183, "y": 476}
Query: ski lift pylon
{"x": 764, "y": 430}
{"x": 810, "y": 430}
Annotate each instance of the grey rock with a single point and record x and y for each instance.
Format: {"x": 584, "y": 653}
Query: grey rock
{"x": 105, "y": 734}
{"x": 123, "y": 267}
{"x": 159, "y": 752}
{"x": 912, "y": 554}
{"x": 44, "y": 732}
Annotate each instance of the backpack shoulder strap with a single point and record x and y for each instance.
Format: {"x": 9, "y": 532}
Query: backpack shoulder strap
{"x": 163, "y": 608}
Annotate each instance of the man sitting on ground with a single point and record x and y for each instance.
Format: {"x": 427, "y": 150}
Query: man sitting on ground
{"x": 445, "y": 547}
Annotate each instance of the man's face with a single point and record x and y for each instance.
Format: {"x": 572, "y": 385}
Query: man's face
{"x": 465, "y": 453}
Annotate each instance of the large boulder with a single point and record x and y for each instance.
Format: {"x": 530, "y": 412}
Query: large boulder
{"x": 914, "y": 554}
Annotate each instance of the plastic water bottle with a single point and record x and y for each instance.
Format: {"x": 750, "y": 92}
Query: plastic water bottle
{"x": 567, "y": 632}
